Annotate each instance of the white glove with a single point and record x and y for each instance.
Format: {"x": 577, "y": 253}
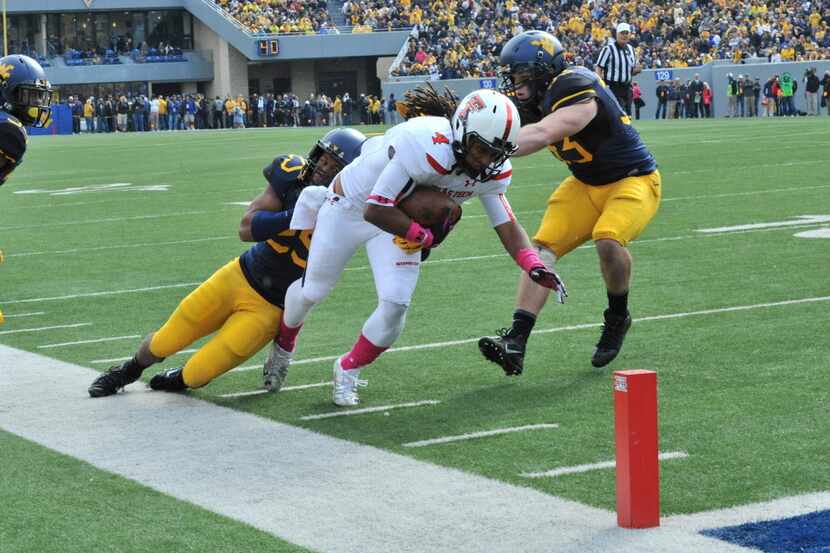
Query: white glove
{"x": 307, "y": 206}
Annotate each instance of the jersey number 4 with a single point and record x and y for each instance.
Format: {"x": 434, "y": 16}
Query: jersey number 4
{"x": 570, "y": 151}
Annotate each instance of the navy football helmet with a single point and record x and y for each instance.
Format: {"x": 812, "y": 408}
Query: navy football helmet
{"x": 342, "y": 143}
{"x": 24, "y": 90}
{"x": 533, "y": 58}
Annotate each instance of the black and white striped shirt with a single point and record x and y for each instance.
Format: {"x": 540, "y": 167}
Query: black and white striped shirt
{"x": 617, "y": 62}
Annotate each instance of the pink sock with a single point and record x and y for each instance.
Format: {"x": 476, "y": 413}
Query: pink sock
{"x": 287, "y": 337}
{"x": 363, "y": 352}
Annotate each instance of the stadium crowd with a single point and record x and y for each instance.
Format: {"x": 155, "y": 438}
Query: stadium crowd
{"x": 280, "y": 16}
{"x": 463, "y": 39}
{"x": 128, "y": 113}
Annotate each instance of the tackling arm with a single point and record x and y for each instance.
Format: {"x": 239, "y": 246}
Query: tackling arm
{"x": 563, "y": 122}
{"x": 267, "y": 209}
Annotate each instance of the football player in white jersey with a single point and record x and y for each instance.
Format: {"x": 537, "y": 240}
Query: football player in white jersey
{"x": 462, "y": 150}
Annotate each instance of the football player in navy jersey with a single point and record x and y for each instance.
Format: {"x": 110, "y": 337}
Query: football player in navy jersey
{"x": 242, "y": 303}
{"x": 613, "y": 192}
{"x": 25, "y": 95}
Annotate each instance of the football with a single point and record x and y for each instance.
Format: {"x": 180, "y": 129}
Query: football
{"x": 429, "y": 206}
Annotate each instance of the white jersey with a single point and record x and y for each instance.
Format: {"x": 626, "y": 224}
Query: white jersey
{"x": 419, "y": 153}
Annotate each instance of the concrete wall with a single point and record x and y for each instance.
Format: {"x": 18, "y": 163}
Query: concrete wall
{"x": 713, "y": 73}
{"x": 230, "y": 67}
{"x": 305, "y": 75}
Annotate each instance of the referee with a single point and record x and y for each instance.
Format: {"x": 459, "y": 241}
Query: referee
{"x": 616, "y": 65}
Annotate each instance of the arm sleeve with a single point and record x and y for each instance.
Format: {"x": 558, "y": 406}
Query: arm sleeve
{"x": 602, "y": 59}
{"x": 497, "y": 208}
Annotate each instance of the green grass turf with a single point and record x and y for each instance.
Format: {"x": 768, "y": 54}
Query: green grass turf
{"x": 744, "y": 393}
{"x": 53, "y": 503}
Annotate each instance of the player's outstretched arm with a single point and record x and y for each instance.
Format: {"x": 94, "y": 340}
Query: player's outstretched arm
{"x": 264, "y": 217}
{"x": 515, "y": 241}
{"x": 554, "y": 127}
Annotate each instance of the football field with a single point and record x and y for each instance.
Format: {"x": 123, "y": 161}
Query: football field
{"x": 104, "y": 235}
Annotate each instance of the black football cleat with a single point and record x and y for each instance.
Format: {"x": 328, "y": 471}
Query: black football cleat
{"x": 504, "y": 350}
{"x": 113, "y": 380}
{"x": 169, "y": 381}
{"x": 611, "y": 341}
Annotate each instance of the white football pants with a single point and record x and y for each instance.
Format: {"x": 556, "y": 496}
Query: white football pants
{"x": 339, "y": 232}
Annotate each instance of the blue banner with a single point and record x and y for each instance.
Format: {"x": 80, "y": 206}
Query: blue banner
{"x": 489, "y": 83}
{"x": 663, "y": 75}
{"x": 61, "y": 122}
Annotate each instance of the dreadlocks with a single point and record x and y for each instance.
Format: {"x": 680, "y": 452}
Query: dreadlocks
{"x": 425, "y": 100}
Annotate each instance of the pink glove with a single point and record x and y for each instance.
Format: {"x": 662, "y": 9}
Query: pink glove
{"x": 417, "y": 233}
{"x": 533, "y": 265}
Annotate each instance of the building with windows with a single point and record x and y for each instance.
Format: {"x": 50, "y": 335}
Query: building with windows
{"x": 112, "y": 47}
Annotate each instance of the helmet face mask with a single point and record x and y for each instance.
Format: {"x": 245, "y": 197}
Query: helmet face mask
{"x": 531, "y": 58}
{"x": 480, "y": 159}
{"x": 24, "y": 90}
{"x": 341, "y": 145}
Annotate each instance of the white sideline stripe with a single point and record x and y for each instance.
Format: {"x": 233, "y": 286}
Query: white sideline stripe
{"x": 104, "y": 293}
{"x": 92, "y": 341}
{"x": 20, "y": 315}
{"x": 482, "y": 434}
{"x": 369, "y": 410}
{"x": 401, "y": 498}
{"x": 776, "y": 509}
{"x": 106, "y": 220}
{"x": 122, "y": 246}
{"x": 42, "y": 328}
{"x": 283, "y": 389}
{"x": 582, "y": 326}
{"x": 117, "y": 359}
{"x": 596, "y": 466}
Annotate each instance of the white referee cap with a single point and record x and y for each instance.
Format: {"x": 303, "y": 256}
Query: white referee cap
{"x": 623, "y": 28}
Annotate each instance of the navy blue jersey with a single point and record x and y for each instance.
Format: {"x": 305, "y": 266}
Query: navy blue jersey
{"x": 271, "y": 266}
{"x": 13, "y": 140}
{"x": 608, "y": 149}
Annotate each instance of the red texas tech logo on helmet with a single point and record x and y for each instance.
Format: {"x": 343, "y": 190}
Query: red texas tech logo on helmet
{"x": 475, "y": 103}
{"x": 440, "y": 139}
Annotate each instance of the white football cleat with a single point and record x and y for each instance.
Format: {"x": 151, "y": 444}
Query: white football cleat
{"x": 345, "y": 385}
{"x": 275, "y": 370}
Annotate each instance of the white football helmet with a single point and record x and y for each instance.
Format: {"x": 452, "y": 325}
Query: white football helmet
{"x": 490, "y": 118}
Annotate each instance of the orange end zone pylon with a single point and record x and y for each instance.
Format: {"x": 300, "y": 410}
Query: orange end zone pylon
{"x": 638, "y": 468}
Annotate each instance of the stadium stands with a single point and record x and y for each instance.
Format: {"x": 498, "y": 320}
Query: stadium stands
{"x": 463, "y": 39}
{"x": 279, "y": 16}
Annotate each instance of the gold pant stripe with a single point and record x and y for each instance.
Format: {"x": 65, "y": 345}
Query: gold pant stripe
{"x": 244, "y": 322}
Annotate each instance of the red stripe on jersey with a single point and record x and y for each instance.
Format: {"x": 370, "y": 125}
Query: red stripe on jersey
{"x": 509, "y": 122}
{"x": 507, "y": 208}
{"x": 504, "y": 175}
{"x": 381, "y": 200}
{"x": 437, "y": 166}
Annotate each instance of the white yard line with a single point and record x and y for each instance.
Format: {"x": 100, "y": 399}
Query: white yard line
{"x": 106, "y": 220}
{"x": 595, "y": 466}
{"x": 91, "y": 341}
{"x": 482, "y": 434}
{"x": 283, "y": 389}
{"x": 117, "y": 359}
{"x": 103, "y": 293}
{"x": 583, "y": 326}
{"x": 42, "y": 328}
{"x": 400, "y": 498}
{"x": 378, "y": 409}
{"x": 122, "y": 246}
{"x": 21, "y": 315}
